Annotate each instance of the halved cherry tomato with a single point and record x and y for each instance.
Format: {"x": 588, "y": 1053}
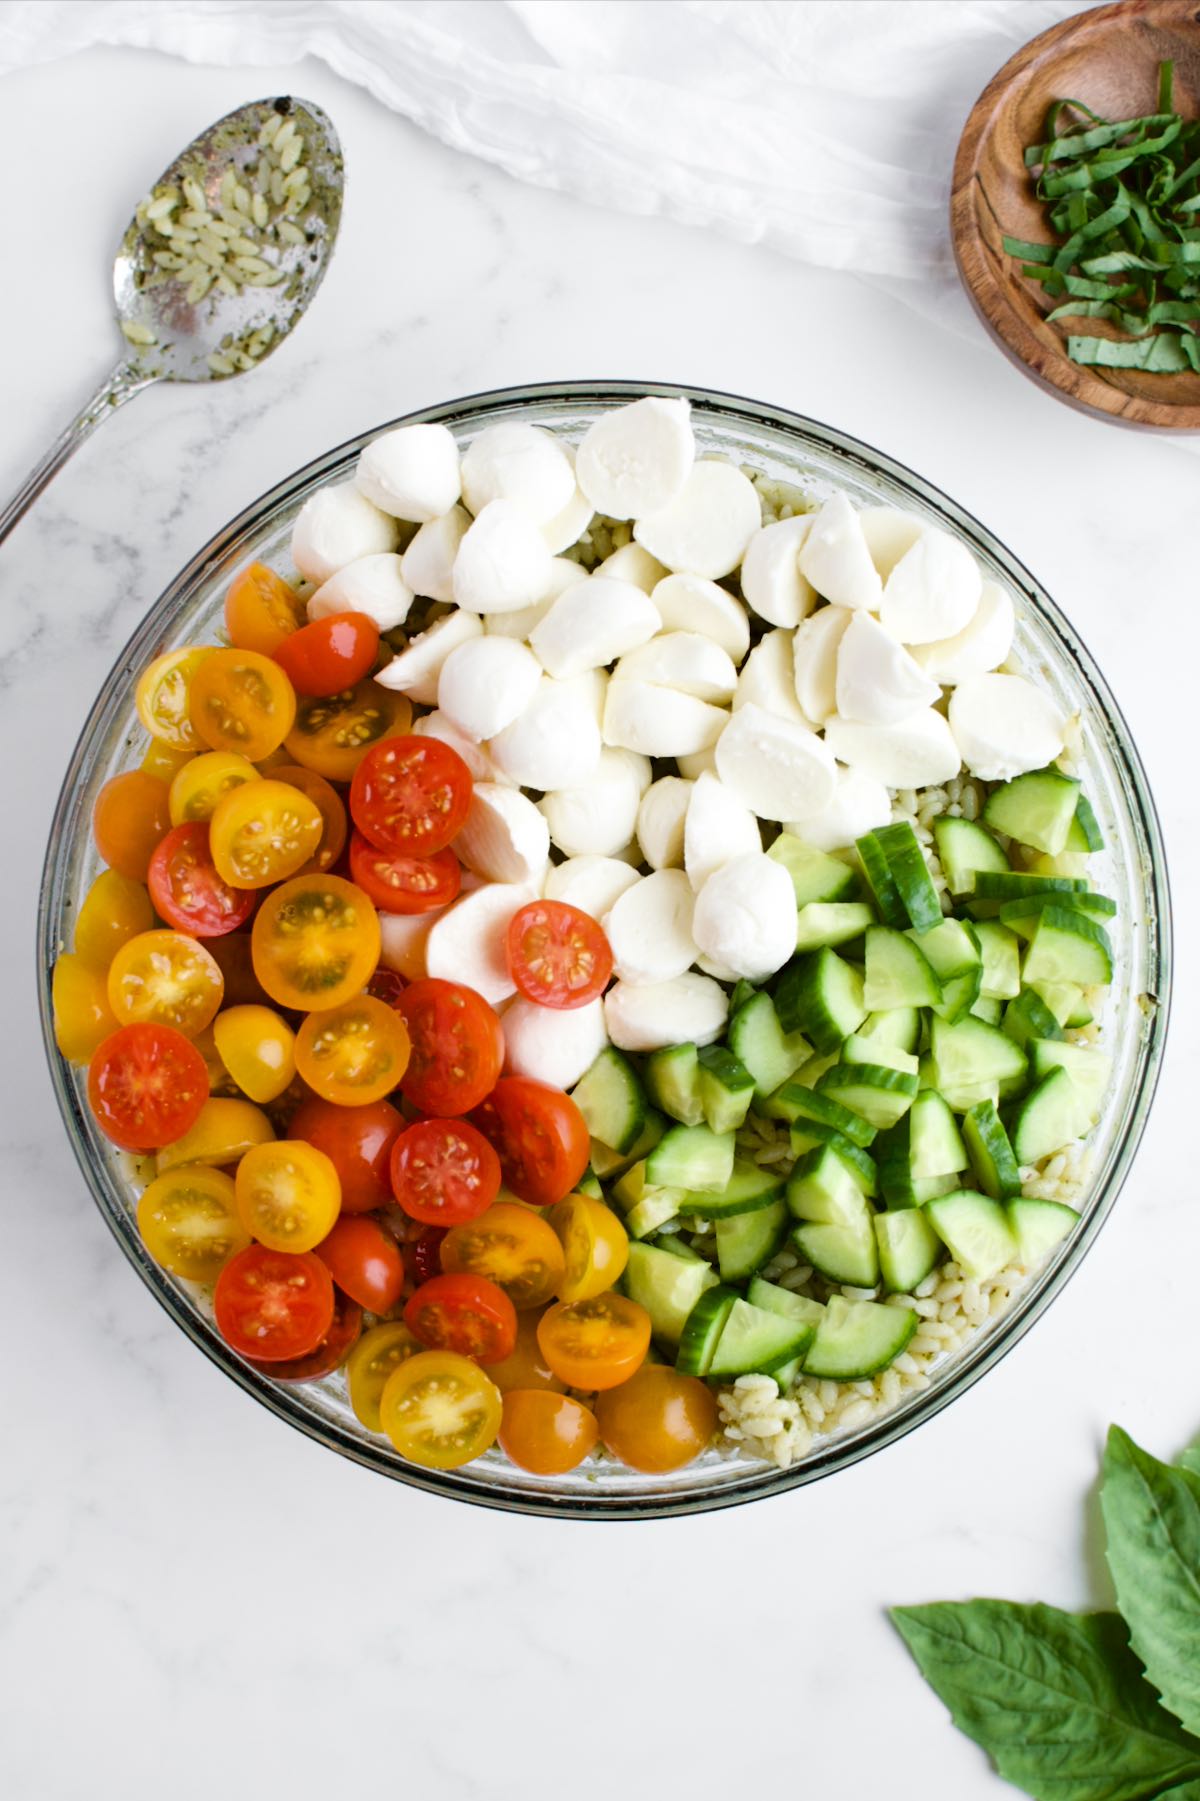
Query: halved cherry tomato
{"x": 411, "y": 795}
{"x": 163, "y": 762}
{"x": 444, "y": 1172}
{"x": 466, "y": 1314}
{"x": 234, "y": 956}
{"x": 557, "y": 955}
{"x": 187, "y": 890}
{"x": 386, "y": 986}
{"x": 205, "y": 780}
{"x": 83, "y": 1018}
{"x": 114, "y": 910}
{"x": 354, "y": 1053}
{"x": 189, "y": 1222}
{"x": 540, "y": 1135}
{"x": 330, "y": 654}
{"x": 358, "y": 1142}
{"x": 258, "y": 1049}
{"x": 440, "y": 1410}
{"x": 513, "y": 1247}
{"x": 424, "y": 1252}
{"x": 546, "y": 1433}
{"x": 315, "y": 942}
{"x": 457, "y": 1046}
{"x": 162, "y": 696}
{"x": 376, "y": 1356}
{"x": 597, "y": 1343}
{"x": 595, "y": 1246}
{"x": 658, "y": 1420}
{"x": 526, "y": 1367}
{"x": 333, "y": 1350}
{"x": 132, "y": 813}
{"x": 146, "y": 1086}
{"x": 287, "y": 1194}
{"x": 400, "y": 883}
{"x": 261, "y": 609}
{"x": 167, "y": 979}
{"x": 328, "y": 803}
{"x": 263, "y": 832}
{"x": 242, "y": 701}
{"x": 364, "y": 1261}
{"x": 223, "y": 1131}
{"x": 333, "y": 734}
{"x": 273, "y": 1305}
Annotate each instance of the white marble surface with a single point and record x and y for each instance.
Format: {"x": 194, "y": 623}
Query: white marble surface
{"x": 196, "y": 1600}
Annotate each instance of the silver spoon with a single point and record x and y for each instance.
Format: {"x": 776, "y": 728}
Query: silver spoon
{"x": 178, "y": 326}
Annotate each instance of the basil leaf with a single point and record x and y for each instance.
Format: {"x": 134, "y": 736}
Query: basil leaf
{"x": 1156, "y": 355}
{"x": 1190, "y": 1460}
{"x": 1188, "y": 1791}
{"x": 1152, "y": 1516}
{"x": 1056, "y": 1699}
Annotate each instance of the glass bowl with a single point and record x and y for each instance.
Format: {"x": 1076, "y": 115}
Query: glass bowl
{"x": 1132, "y": 869}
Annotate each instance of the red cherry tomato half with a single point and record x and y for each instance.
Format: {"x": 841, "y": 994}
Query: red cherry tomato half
{"x": 187, "y": 891}
{"x": 400, "y": 883}
{"x": 273, "y": 1305}
{"x": 558, "y": 956}
{"x": 540, "y": 1135}
{"x": 466, "y": 1314}
{"x": 329, "y": 1355}
{"x": 411, "y": 795}
{"x": 457, "y": 1046}
{"x": 147, "y": 1085}
{"x": 358, "y": 1142}
{"x": 444, "y": 1172}
{"x": 387, "y": 986}
{"x": 424, "y": 1252}
{"x": 330, "y": 654}
{"x": 365, "y": 1262}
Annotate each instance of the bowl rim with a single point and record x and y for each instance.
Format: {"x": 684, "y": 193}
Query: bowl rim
{"x": 1037, "y": 1294}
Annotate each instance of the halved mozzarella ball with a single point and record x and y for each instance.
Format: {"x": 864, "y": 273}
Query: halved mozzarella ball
{"x": 428, "y": 563}
{"x": 518, "y": 463}
{"x": 660, "y": 722}
{"x": 523, "y": 623}
{"x": 486, "y": 683}
{"x": 720, "y": 972}
{"x": 691, "y": 1009}
{"x": 468, "y": 941}
{"x": 878, "y": 682}
{"x": 982, "y": 644}
{"x": 660, "y": 821}
{"x": 705, "y": 529}
{"x": 372, "y": 585}
{"x": 889, "y": 534}
{"x": 718, "y": 827}
{"x": 771, "y": 580}
{"x": 592, "y": 689}
{"x": 555, "y": 742}
{"x": 593, "y": 884}
{"x": 336, "y": 526}
{"x": 412, "y": 472}
{"x": 860, "y": 804}
{"x": 632, "y": 564}
{"x": 636, "y": 459}
{"x": 502, "y": 562}
{"x": 682, "y": 660}
{"x": 815, "y": 662}
{"x": 649, "y": 929}
{"x": 779, "y": 769}
{"x": 835, "y": 558}
{"x": 436, "y": 725}
{"x": 693, "y": 765}
{"x": 557, "y": 1045}
{"x": 591, "y": 624}
{"x": 570, "y": 522}
{"x": 768, "y": 677}
{"x": 598, "y": 818}
{"x": 505, "y": 838}
{"x": 418, "y": 667}
{"x": 403, "y": 938}
{"x": 1004, "y": 726}
{"x": 933, "y": 590}
{"x": 911, "y": 754}
{"x": 745, "y": 918}
{"x": 689, "y": 603}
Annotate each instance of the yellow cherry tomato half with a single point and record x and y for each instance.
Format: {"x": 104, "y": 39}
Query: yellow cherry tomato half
{"x": 83, "y": 1018}
{"x": 114, "y": 910}
{"x": 163, "y": 695}
{"x": 595, "y": 1246}
{"x": 315, "y": 942}
{"x": 261, "y": 609}
{"x": 334, "y": 732}
{"x": 241, "y": 701}
{"x": 166, "y": 979}
{"x": 353, "y": 1054}
{"x": 262, "y": 832}
{"x": 257, "y": 1049}
{"x": 163, "y": 762}
{"x": 513, "y": 1247}
{"x": 658, "y": 1420}
{"x": 546, "y": 1433}
{"x": 225, "y": 1130}
{"x": 596, "y": 1343}
{"x": 288, "y": 1194}
{"x": 440, "y": 1410}
{"x": 204, "y": 780}
{"x": 370, "y": 1364}
{"x": 525, "y": 1367}
{"x": 189, "y": 1222}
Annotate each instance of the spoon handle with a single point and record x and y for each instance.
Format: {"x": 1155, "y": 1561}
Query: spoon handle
{"x": 120, "y": 385}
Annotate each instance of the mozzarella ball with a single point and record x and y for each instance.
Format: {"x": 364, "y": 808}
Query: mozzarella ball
{"x": 768, "y": 677}
{"x": 502, "y": 562}
{"x": 860, "y": 804}
{"x": 982, "y": 644}
{"x": 912, "y": 754}
{"x": 690, "y": 1009}
{"x": 598, "y": 818}
{"x": 1004, "y": 726}
{"x": 718, "y": 827}
{"x": 815, "y": 662}
{"x": 487, "y": 683}
{"x": 557, "y": 1045}
{"x": 403, "y": 938}
{"x": 636, "y": 459}
{"x": 591, "y": 624}
{"x": 469, "y": 941}
{"x": 524, "y": 622}
{"x": 706, "y": 528}
{"x": 889, "y": 533}
{"x": 877, "y": 681}
{"x": 521, "y": 464}
{"x": 336, "y": 526}
{"x": 745, "y": 918}
{"x": 778, "y": 769}
{"x": 371, "y": 585}
{"x": 933, "y": 590}
{"x": 650, "y": 928}
{"x": 684, "y": 661}
{"x": 417, "y": 669}
{"x": 660, "y": 722}
{"x": 593, "y": 884}
{"x": 689, "y": 603}
{"x": 411, "y": 473}
{"x": 428, "y": 563}
{"x": 632, "y": 564}
{"x": 555, "y": 743}
{"x": 505, "y": 838}
{"x": 660, "y": 821}
{"x": 835, "y": 559}
{"x": 771, "y": 580}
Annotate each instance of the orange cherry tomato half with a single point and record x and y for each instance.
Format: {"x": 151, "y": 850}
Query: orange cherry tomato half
{"x": 261, "y": 609}
{"x": 262, "y": 832}
{"x": 354, "y": 1053}
{"x": 114, "y": 910}
{"x": 328, "y": 803}
{"x": 358, "y": 1142}
{"x": 333, "y": 733}
{"x": 83, "y": 1018}
{"x": 364, "y": 1261}
{"x": 540, "y": 1135}
{"x": 411, "y": 795}
{"x": 374, "y": 1359}
{"x": 457, "y": 1046}
{"x": 465, "y": 1314}
{"x": 440, "y": 1410}
{"x": 546, "y": 1433}
{"x": 557, "y": 955}
{"x": 513, "y": 1247}
{"x": 444, "y": 1172}
{"x": 133, "y": 811}
{"x": 273, "y": 1306}
{"x": 595, "y": 1246}
{"x": 287, "y": 1194}
{"x": 147, "y": 1086}
{"x": 330, "y": 654}
{"x": 167, "y": 979}
{"x": 242, "y": 701}
{"x": 525, "y": 1367}
{"x": 658, "y": 1420}
{"x": 400, "y": 883}
{"x": 315, "y": 942}
{"x": 188, "y": 892}
{"x": 595, "y": 1344}
{"x": 334, "y": 1349}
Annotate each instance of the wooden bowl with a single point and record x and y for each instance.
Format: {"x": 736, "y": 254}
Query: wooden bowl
{"x": 1108, "y": 58}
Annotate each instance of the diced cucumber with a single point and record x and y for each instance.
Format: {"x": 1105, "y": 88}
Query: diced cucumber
{"x": 1036, "y": 809}
{"x": 831, "y": 922}
{"x": 1023, "y": 916}
{"x": 726, "y": 1088}
{"x": 951, "y": 948}
{"x": 1067, "y": 862}
{"x": 990, "y": 1012}
{"x": 667, "y": 1286}
{"x": 749, "y": 1188}
{"x": 1085, "y": 834}
{"x": 589, "y": 1184}
{"x": 673, "y": 1078}
{"x": 898, "y": 974}
{"x": 1028, "y": 1017}
{"x": 841, "y": 1253}
{"x": 821, "y": 995}
{"x": 612, "y": 1101}
{"x": 702, "y": 1330}
{"x": 815, "y": 875}
{"x": 935, "y": 1145}
{"x": 676, "y": 1245}
{"x": 824, "y": 1188}
{"x": 959, "y": 995}
{"x": 691, "y": 1157}
{"x": 1065, "y": 1003}
{"x": 932, "y": 1188}
{"x": 860, "y": 1163}
{"x": 970, "y": 1052}
{"x": 790, "y": 1306}
{"x": 1090, "y": 1069}
{"x": 1015, "y": 884}
{"x": 975, "y": 1231}
{"x": 964, "y": 849}
{"x": 1068, "y": 947}
{"x": 992, "y": 1157}
{"x": 608, "y": 1163}
{"x": 857, "y": 1339}
{"x": 880, "y": 1095}
{"x": 910, "y": 873}
{"x": 900, "y": 1026}
{"x": 756, "y": 1341}
{"x": 743, "y": 991}
{"x": 748, "y": 1240}
{"x": 908, "y": 1246}
{"x": 1001, "y": 978}
{"x": 878, "y": 1051}
{"x": 881, "y": 882}
{"x": 1038, "y": 1226}
{"x": 966, "y": 1095}
{"x": 756, "y": 1037}
{"x": 656, "y": 1207}
{"x": 819, "y": 1114}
